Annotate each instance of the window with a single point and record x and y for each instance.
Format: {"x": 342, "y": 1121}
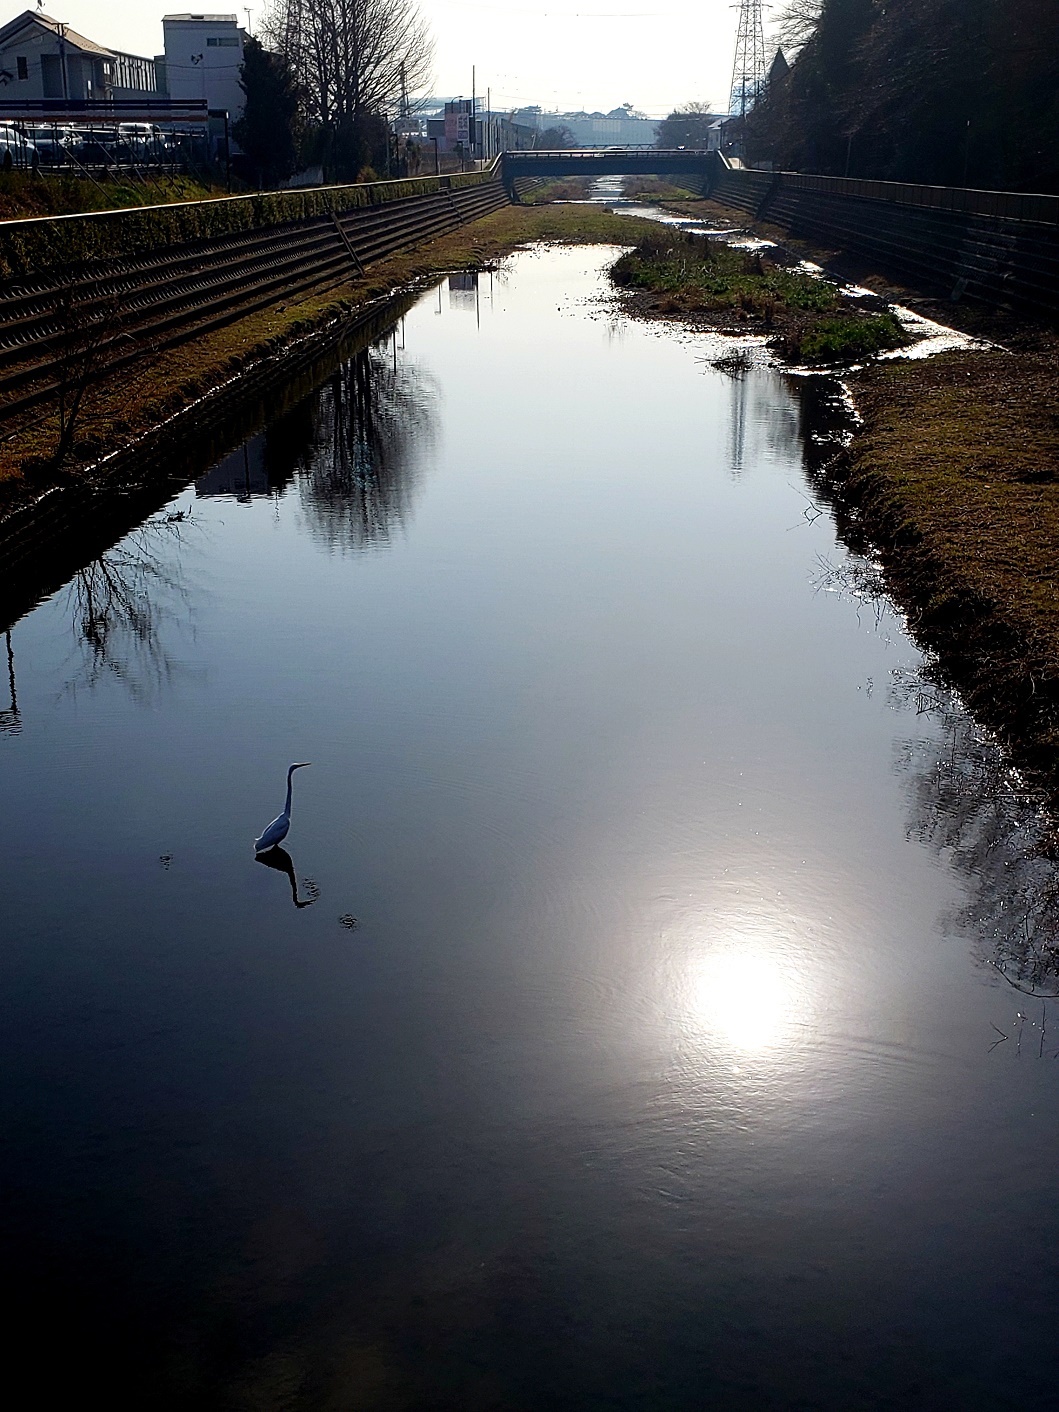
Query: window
{"x": 23, "y": 67}
{"x": 222, "y": 43}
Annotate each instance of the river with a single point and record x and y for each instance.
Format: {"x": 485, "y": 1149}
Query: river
{"x": 637, "y": 1015}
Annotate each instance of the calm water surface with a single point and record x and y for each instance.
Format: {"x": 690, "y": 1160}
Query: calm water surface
{"x": 670, "y": 1061}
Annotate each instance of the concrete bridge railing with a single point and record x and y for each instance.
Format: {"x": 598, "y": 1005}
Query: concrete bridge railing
{"x": 608, "y": 161}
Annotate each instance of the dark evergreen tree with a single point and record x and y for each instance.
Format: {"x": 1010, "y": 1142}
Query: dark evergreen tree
{"x": 686, "y": 127}
{"x": 937, "y": 91}
{"x": 270, "y": 128}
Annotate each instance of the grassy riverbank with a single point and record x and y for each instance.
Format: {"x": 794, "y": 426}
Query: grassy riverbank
{"x": 954, "y": 478}
{"x": 132, "y": 402}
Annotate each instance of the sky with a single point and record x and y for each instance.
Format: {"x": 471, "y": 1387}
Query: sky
{"x": 561, "y": 54}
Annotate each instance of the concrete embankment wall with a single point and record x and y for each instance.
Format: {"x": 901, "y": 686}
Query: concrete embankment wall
{"x": 997, "y": 246}
{"x": 129, "y": 281}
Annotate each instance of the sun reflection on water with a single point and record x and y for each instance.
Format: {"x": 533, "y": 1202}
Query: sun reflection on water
{"x": 745, "y": 991}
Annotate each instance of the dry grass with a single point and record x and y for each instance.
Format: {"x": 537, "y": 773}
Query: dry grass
{"x": 563, "y": 189}
{"x": 955, "y": 476}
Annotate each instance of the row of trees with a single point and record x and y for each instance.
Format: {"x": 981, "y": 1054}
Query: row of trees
{"x": 945, "y": 91}
{"x": 325, "y": 82}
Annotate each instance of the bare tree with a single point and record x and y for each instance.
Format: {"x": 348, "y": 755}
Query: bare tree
{"x": 797, "y": 22}
{"x": 356, "y": 60}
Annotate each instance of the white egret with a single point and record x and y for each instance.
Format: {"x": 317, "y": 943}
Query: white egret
{"x": 280, "y": 826}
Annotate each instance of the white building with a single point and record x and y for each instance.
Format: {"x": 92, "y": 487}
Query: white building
{"x": 44, "y": 58}
{"x": 203, "y": 56}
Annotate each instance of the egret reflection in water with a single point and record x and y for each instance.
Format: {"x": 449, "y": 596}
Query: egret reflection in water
{"x": 280, "y": 860}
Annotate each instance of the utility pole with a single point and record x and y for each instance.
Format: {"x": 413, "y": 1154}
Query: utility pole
{"x": 749, "y": 70}
{"x": 474, "y": 114}
{"x": 61, "y": 30}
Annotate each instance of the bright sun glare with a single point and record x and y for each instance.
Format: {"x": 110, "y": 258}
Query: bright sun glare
{"x": 743, "y": 994}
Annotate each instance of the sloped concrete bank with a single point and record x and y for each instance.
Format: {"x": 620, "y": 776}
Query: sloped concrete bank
{"x": 995, "y": 246}
{"x": 46, "y": 540}
{"x": 219, "y": 390}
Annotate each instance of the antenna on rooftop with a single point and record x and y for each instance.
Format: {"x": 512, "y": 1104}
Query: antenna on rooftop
{"x": 749, "y": 71}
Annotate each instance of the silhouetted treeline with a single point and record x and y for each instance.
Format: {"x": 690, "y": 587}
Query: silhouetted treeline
{"x": 954, "y": 92}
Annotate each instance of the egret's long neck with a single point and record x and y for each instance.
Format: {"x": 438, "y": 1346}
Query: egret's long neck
{"x": 290, "y": 780}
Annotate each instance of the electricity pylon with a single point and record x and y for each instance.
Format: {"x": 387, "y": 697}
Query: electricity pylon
{"x": 749, "y": 70}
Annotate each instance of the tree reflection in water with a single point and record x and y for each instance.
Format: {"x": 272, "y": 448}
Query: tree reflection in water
{"x": 364, "y": 444}
{"x": 971, "y": 807}
{"x": 122, "y": 603}
{"x": 10, "y": 718}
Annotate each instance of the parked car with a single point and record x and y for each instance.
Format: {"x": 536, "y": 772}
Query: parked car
{"x": 55, "y": 145}
{"x": 141, "y": 142}
{"x": 97, "y": 147}
{"x": 16, "y": 147}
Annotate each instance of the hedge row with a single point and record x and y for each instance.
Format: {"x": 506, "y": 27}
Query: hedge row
{"x": 31, "y": 248}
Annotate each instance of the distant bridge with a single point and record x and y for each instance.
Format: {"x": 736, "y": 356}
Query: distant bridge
{"x": 608, "y": 161}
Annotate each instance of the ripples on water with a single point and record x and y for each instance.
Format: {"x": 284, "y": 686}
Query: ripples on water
{"x": 647, "y": 1008}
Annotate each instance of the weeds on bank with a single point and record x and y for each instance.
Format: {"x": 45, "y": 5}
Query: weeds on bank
{"x": 565, "y": 189}
{"x": 692, "y": 274}
{"x": 833, "y": 340}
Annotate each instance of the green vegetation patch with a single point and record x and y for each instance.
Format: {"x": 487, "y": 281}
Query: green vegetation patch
{"x": 694, "y": 273}
{"x": 841, "y": 339}
{"x": 811, "y": 321}
{"x": 26, "y": 195}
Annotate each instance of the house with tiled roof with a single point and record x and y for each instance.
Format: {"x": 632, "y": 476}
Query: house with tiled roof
{"x": 41, "y": 57}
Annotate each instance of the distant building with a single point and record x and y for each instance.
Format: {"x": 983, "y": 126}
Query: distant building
{"x": 44, "y": 58}
{"x": 619, "y": 128}
{"x": 203, "y": 57}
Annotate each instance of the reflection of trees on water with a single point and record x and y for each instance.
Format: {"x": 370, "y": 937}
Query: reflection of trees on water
{"x": 969, "y": 806}
{"x": 359, "y": 446}
{"x": 10, "y": 719}
{"x": 122, "y": 603}
{"x": 763, "y": 418}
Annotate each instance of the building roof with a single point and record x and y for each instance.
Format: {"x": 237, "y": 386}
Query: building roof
{"x": 207, "y": 19}
{"x": 56, "y": 27}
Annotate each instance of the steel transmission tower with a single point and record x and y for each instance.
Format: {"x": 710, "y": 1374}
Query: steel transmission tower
{"x": 292, "y": 28}
{"x": 749, "y": 70}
